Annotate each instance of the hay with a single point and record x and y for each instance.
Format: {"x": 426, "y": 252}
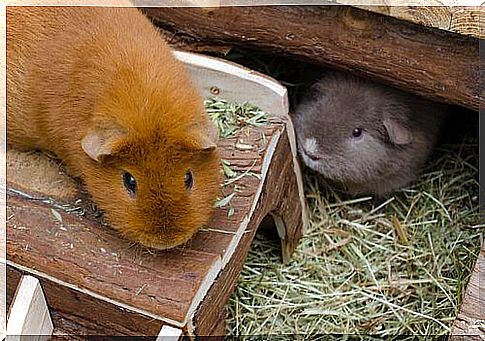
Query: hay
{"x": 390, "y": 269}
{"x": 230, "y": 118}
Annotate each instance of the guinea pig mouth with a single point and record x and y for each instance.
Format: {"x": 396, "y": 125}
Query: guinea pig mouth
{"x": 169, "y": 243}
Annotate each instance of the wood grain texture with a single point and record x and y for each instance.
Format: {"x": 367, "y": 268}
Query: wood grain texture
{"x": 429, "y": 13}
{"x": 436, "y": 64}
{"x": 468, "y": 20}
{"x": 82, "y": 322}
{"x": 78, "y": 251}
{"x": 470, "y": 322}
{"x": 216, "y": 77}
{"x": 451, "y": 16}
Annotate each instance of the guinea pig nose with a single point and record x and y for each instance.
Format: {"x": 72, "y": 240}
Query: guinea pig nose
{"x": 313, "y": 156}
{"x": 310, "y": 148}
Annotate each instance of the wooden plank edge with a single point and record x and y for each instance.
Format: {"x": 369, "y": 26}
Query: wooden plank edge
{"x": 168, "y": 333}
{"x": 466, "y": 327}
{"x": 257, "y": 80}
{"x": 3, "y": 293}
{"x": 211, "y": 277}
{"x": 29, "y": 314}
{"x": 209, "y": 311}
{"x": 290, "y": 131}
{"x": 254, "y": 80}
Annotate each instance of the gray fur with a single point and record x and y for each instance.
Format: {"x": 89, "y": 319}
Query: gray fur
{"x": 399, "y": 132}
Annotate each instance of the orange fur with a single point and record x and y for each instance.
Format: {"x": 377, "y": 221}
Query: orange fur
{"x": 72, "y": 70}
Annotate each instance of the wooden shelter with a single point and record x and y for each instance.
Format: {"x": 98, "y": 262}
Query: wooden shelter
{"x": 421, "y": 54}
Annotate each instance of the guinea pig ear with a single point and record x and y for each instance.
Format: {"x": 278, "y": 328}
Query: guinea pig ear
{"x": 101, "y": 141}
{"x": 212, "y": 134}
{"x": 397, "y": 132}
{"x": 203, "y": 139}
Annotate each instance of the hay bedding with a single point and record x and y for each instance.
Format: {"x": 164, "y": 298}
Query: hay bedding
{"x": 390, "y": 269}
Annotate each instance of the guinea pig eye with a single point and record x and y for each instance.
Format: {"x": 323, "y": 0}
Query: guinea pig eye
{"x": 130, "y": 183}
{"x": 357, "y": 132}
{"x": 189, "y": 180}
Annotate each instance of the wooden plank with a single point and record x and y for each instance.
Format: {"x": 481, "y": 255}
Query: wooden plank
{"x": 98, "y": 260}
{"x": 219, "y": 330}
{"x": 3, "y": 175}
{"x": 453, "y": 16}
{"x": 431, "y": 13}
{"x": 236, "y": 83}
{"x": 215, "y": 77}
{"x": 436, "y": 64}
{"x": 95, "y": 263}
{"x": 468, "y": 20}
{"x": 29, "y": 314}
{"x": 470, "y": 322}
{"x": 3, "y": 284}
{"x": 58, "y": 244}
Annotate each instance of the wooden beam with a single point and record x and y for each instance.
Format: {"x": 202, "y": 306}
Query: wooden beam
{"x": 461, "y": 19}
{"x": 436, "y": 64}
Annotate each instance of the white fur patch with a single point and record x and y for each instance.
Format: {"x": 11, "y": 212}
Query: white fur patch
{"x": 311, "y": 146}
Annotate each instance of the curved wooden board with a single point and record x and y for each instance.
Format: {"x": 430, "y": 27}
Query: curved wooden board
{"x": 228, "y": 80}
{"x": 218, "y": 77}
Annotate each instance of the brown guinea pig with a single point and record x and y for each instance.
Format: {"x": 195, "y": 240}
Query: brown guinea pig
{"x": 370, "y": 138}
{"x": 99, "y": 87}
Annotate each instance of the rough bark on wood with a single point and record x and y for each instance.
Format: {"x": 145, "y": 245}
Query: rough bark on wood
{"x": 437, "y": 64}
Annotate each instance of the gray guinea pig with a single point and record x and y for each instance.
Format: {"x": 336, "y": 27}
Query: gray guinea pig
{"x": 370, "y": 138}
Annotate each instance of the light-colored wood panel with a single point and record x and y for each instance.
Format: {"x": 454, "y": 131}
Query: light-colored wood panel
{"x": 470, "y": 322}
{"x": 29, "y": 314}
{"x": 468, "y": 20}
{"x": 214, "y": 77}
